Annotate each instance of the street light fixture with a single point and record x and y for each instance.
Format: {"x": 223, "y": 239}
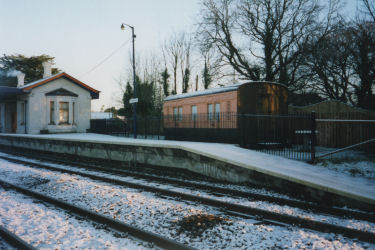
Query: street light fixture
{"x": 135, "y": 100}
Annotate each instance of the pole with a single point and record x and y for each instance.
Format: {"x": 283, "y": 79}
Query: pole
{"x": 135, "y": 89}
{"x": 313, "y": 136}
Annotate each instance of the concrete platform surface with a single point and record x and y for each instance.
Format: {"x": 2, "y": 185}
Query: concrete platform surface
{"x": 357, "y": 188}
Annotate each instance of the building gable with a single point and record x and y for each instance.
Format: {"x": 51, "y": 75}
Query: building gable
{"x": 61, "y": 92}
{"x": 93, "y": 92}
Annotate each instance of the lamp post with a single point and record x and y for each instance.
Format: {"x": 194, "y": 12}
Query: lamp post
{"x": 135, "y": 100}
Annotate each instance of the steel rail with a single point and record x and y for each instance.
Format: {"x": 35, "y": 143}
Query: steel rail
{"x": 281, "y": 201}
{"x": 14, "y": 240}
{"x": 105, "y": 220}
{"x": 232, "y": 207}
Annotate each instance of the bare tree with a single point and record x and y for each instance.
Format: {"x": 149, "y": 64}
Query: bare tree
{"x": 172, "y": 50}
{"x": 212, "y": 69}
{"x": 329, "y": 65}
{"x": 263, "y": 39}
{"x": 363, "y": 33}
{"x": 186, "y": 50}
{"x": 369, "y": 8}
{"x": 178, "y": 51}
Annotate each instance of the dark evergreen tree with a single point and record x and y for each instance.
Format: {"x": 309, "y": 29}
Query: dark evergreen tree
{"x": 165, "y": 81}
{"x": 31, "y": 66}
{"x": 147, "y": 99}
{"x": 128, "y": 94}
{"x": 207, "y": 78}
{"x": 185, "y": 80}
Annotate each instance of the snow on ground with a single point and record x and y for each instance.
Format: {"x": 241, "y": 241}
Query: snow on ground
{"x": 357, "y": 224}
{"x": 162, "y": 215}
{"x": 349, "y": 162}
{"x": 292, "y": 170}
{"x": 46, "y": 227}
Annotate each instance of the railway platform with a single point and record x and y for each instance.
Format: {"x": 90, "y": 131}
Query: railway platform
{"x": 220, "y": 161}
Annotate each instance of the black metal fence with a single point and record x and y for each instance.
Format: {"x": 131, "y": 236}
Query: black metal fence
{"x": 291, "y": 136}
{"x": 111, "y": 126}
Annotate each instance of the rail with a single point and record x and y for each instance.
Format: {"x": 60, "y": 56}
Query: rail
{"x": 107, "y": 221}
{"x": 230, "y": 207}
{"x": 278, "y": 200}
{"x": 14, "y": 240}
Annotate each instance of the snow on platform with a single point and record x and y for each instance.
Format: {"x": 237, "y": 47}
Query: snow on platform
{"x": 358, "y": 188}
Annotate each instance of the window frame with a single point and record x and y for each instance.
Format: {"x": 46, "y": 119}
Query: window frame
{"x": 217, "y": 114}
{"x": 64, "y": 122}
{"x": 180, "y": 113}
{"x": 23, "y": 111}
{"x": 194, "y": 112}
{"x": 52, "y": 113}
{"x": 210, "y": 111}
{"x": 175, "y": 113}
{"x": 73, "y": 113}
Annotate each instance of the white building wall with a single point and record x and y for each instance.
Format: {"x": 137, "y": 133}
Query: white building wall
{"x": 38, "y": 108}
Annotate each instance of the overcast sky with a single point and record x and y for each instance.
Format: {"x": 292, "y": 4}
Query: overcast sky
{"x": 81, "y": 33}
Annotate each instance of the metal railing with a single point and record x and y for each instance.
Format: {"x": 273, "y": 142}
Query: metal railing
{"x": 291, "y": 136}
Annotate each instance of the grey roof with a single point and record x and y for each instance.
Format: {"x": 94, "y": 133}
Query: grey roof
{"x": 38, "y": 81}
{"x": 9, "y": 92}
{"x": 217, "y": 90}
{"x": 205, "y": 92}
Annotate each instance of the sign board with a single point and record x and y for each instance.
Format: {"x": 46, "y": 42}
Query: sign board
{"x": 133, "y": 100}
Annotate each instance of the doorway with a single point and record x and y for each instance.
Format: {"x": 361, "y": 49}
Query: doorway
{"x": 14, "y": 122}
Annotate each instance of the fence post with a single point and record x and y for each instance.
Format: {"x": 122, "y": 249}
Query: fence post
{"x": 313, "y": 136}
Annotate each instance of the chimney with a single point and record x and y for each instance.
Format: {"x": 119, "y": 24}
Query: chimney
{"x": 20, "y": 79}
{"x": 47, "y": 69}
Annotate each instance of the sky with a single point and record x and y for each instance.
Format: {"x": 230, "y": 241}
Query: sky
{"x": 82, "y": 33}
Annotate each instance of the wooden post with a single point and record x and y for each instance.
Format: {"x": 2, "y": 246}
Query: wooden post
{"x": 313, "y": 136}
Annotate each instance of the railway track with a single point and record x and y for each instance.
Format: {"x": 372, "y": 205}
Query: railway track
{"x": 213, "y": 189}
{"x": 141, "y": 234}
{"x": 263, "y": 216}
{"x": 13, "y": 240}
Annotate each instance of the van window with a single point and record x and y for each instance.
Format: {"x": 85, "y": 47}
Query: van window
{"x": 194, "y": 113}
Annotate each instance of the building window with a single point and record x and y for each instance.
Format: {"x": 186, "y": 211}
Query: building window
{"x": 22, "y": 113}
{"x": 175, "y": 113}
{"x": 228, "y": 110}
{"x": 180, "y": 113}
{"x": 51, "y": 112}
{"x": 194, "y": 112}
{"x": 64, "y": 113}
{"x": 73, "y": 112}
{"x": 217, "y": 111}
{"x": 210, "y": 111}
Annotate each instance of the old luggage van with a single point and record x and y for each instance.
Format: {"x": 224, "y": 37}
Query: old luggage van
{"x": 212, "y": 114}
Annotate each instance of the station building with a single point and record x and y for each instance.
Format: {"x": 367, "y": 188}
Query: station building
{"x": 54, "y": 104}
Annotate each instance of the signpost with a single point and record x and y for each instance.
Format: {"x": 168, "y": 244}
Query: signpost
{"x": 133, "y": 100}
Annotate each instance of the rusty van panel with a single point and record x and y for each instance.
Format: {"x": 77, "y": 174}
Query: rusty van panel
{"x": 262, "y": 98}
